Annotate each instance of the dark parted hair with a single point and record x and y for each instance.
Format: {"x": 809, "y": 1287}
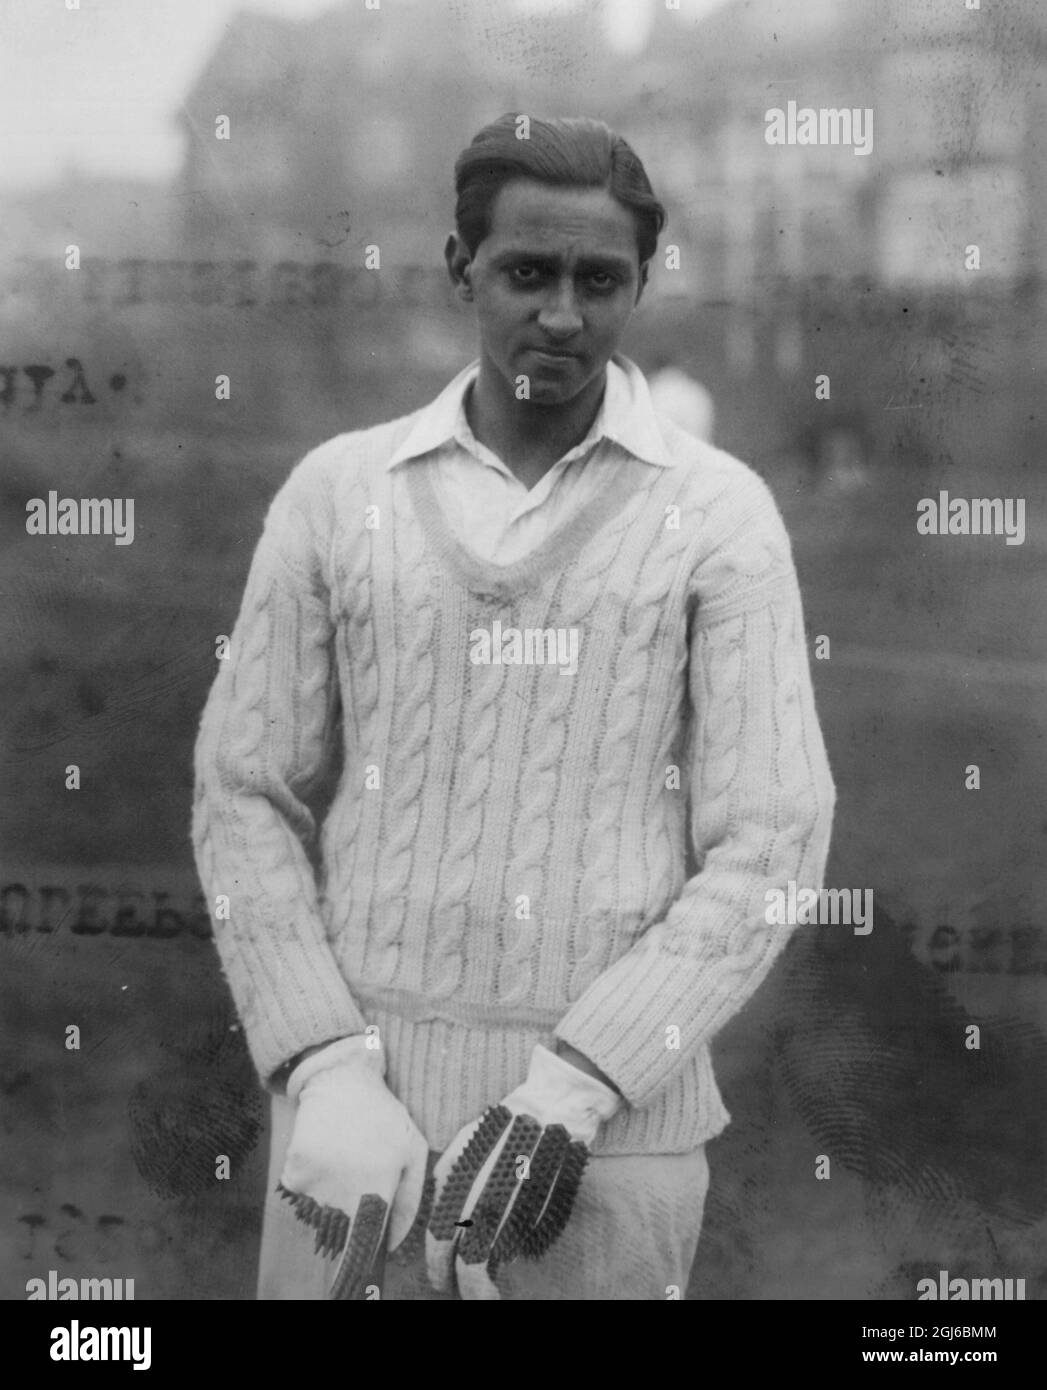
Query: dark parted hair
{"x": 569, "y": 151}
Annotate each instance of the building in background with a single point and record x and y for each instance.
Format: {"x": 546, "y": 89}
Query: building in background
{"x": 103, "y": 216}
{"x": 797, "y": 261}
{"x": 959, "y": 98}
{"x": 345, "y": 127}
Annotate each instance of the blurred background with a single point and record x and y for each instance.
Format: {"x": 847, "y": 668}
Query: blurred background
{"x": 245, "y": 256}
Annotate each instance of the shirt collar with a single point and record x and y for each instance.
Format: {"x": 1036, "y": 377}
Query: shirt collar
{"x": 626, "y": 416}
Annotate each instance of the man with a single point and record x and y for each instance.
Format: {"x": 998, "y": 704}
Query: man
{"x": 557, "y": 636}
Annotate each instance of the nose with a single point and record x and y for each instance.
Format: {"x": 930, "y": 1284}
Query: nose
{"x": 559, "y": 315}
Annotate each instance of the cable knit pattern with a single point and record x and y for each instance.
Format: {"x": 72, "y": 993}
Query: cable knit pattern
{"x": 354, "y": 631}
{"x": 519, "y": 873}
{"x": 410, "y": 732}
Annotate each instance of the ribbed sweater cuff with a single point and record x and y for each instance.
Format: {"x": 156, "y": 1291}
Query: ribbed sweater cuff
{"x": 643, "y": 1019}
{"x": 310, "y": 1007}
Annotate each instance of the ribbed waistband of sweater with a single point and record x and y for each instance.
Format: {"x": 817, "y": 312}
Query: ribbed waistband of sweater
{"x": 415, "y": 1008}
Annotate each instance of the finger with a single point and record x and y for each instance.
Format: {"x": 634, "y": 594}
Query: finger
{"x": 365, "y": 1243}
{"x": 439, "y": 1249}
{"x": 408, "y": 1198}
{"x": 560, "y": 1203}
{"x": 440, "y": 1262}
{"x": 532, "y": 1196}
{"x": 475, "y": 1283}
{"x": 499, "y": 1190}
{"x": 455, "y": 1177}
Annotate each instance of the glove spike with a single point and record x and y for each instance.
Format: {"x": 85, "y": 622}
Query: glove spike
{"x": 530, "y": 1202}
{"x": 499, "y": 1191}
{"x": 360, "y": 1254}
{"x": 561, "y": 1202}
{"x": 496, "y": 1119}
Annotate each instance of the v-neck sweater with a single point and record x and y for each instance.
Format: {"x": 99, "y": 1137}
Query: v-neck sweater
{"x": 505, "y": 858}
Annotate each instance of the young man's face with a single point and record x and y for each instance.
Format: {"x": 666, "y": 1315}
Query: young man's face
{"x": 554, "y": 283}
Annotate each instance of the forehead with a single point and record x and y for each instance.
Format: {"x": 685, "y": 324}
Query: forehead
{"x": 530, "y": 216}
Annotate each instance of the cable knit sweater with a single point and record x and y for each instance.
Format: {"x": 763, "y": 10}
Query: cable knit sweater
{"x": 504, "y": 859}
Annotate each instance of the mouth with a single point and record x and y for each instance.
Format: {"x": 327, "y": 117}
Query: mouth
{"x": 554, "y": 356}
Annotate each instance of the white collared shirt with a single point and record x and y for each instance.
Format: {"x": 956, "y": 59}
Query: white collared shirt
{"x": 491, "y": 511}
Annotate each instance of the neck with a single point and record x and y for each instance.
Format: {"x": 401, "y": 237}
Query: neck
{"x": 528, "y": 436}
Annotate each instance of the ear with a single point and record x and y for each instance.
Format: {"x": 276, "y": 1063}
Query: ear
{"x": 459, "y": 264}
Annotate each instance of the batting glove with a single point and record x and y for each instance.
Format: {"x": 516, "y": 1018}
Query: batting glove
{"x": 506, "y": 1185}
{"x": 355, "y": 1166}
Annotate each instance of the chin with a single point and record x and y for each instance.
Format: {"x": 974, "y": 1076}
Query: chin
{"x": 552, "y": 393}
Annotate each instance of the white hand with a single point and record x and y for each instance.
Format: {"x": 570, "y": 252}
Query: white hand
{"x": 353, "y": 1139}
{"x": 506, "y": 1184}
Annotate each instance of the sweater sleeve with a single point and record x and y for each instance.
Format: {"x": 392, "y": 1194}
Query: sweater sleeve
{"x": 761, "y": 808}
{"x": 263, "y": 740}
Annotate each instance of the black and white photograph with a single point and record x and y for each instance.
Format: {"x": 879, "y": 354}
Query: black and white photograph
{"x": 524, "y": 587}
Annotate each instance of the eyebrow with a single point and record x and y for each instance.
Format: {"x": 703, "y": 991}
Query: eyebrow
{"x": 542, "y": 258}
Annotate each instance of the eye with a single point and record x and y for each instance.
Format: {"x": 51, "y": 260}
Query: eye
{"x": 525, "y": 275}
{"x": 602, "y": 281}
